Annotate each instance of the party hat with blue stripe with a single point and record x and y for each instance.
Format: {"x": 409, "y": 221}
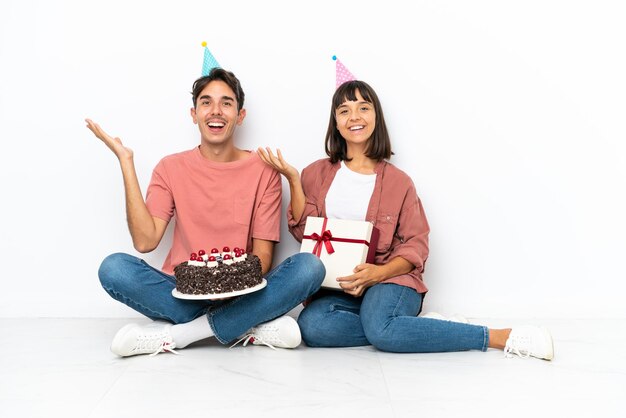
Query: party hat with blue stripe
{"x": 209, "y": 61}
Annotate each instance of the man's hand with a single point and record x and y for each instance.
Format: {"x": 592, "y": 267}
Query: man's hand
{"x": 278, "y": 163}
{"x": 114, "y": 144}
{"x": 365, "y": 275}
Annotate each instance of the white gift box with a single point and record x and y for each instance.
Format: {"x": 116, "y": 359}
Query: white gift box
{"x": 340, "y": 244}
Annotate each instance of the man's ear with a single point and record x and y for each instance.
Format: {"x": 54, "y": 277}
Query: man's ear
{"x": 193, "y": 115}
{"x": 242, "y": 115}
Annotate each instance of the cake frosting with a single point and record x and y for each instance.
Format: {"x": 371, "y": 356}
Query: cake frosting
{"x": 218, "y": 272}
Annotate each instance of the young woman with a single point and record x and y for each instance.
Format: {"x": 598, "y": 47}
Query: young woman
{"x": 380, "y": 302}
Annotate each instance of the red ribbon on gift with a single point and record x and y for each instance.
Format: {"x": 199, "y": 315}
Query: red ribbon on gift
{"x": 326, "y": 238}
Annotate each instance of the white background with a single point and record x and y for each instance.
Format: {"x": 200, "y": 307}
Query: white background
{"x": 509, "y": 117}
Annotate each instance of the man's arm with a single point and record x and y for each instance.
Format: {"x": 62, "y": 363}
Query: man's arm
{"x": 145, "y": 230}
{"x": 265, "y": 251}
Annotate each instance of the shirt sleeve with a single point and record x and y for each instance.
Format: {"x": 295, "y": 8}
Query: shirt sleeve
{"x": 310, "y": 186}
{"x": 411, "y": 238}
{"x": 266, "y": 224}
{"x": 159, "y": 198}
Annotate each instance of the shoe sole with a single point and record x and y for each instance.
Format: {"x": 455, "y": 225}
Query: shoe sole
{"x": 119, "y": 338}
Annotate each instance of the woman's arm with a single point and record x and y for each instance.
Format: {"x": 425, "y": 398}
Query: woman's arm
{"x": 278, "y": 163}
{"x": 409, "y": 249}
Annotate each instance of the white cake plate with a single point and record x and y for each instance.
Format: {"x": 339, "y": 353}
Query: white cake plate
{"x": 214, "y": 296}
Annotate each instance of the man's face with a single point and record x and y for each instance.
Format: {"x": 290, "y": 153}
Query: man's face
{"x": 216, "y": 113}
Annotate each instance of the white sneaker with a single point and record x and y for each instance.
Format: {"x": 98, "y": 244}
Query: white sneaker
{"x": 458, "y": 318}
{"x": 282, "y": 332}
{"x": 454, "y": 318}
{"x": 150, "y": 339}
{"x": 526, "y": 341}
{"x": 433, "y": 315}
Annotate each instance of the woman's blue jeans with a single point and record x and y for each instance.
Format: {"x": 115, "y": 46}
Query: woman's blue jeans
{"x": 385, "y": 317}
{"x": 147, "y": 290}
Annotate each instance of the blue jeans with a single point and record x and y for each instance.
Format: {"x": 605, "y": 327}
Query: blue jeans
{"x": 385, "y": 317}
{"x": 147, "y": 290}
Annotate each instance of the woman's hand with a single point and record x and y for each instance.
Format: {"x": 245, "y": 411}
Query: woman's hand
{"x": 365, "y": 275}
{"x": 278, "y": 163}
{"x": 114, "y": 144}
{"x": 298, "y": 199}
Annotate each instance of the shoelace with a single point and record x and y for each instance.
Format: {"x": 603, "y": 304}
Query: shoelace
{"x": 511, "y": 348}
{"x": 160, "y": 344}
{"x": 166, "y": 346}
{"x": 253, "y": 339}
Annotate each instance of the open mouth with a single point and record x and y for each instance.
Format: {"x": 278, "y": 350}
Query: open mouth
{"x": 216, "y": 126}
{"x": 356, "y": 128}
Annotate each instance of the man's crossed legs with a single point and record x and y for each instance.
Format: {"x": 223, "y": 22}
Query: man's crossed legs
{"x": 257, "y": 316}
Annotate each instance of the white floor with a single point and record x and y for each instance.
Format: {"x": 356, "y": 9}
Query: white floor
{"x": 63, "y": 368}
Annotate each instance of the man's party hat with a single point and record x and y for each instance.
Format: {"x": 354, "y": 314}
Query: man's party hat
{"x": 209, "y": 61}
{"x": 343, "y": 74}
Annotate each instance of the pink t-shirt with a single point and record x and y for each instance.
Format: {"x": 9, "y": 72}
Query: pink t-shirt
{"x": 216, "y": 204}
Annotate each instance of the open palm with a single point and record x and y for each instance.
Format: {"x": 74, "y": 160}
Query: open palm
{"x": 114, "y": 144}
{"x": 278, "y": 162}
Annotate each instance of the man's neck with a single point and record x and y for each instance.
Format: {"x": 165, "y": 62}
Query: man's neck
{"x": 222, "y": 153}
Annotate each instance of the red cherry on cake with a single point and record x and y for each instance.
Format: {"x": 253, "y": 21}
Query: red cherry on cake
{"x": 227, "y": 256}
{"x": 201, "y": 253}
{"x": 211, "y": 258}
{"x": 193, "y": 256}
{"x": 237, "y": 249}
{"x": 226, "y": 249}
{"x": 214, "y": 251}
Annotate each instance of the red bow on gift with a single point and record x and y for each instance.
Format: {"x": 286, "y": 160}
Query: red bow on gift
{"x": 325, "y": 238}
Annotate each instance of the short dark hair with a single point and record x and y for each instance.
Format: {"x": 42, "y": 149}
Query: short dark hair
{"x": 378, "y": 145}
{"x": 223, "y": 75}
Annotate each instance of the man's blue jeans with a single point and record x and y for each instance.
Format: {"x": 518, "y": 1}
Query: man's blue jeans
{"x": 385, "y": 317}
{"x": 147, "y": 290}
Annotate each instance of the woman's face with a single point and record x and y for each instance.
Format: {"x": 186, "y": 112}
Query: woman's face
{"x": 356, "y": 120}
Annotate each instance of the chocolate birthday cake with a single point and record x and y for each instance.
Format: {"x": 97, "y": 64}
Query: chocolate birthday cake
{"x": 217, "y": 273}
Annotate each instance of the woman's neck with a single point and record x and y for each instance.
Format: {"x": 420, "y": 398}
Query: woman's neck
{"x": 359, "y": 162}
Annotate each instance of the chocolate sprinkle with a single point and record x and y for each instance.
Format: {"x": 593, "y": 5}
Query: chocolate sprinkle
{"x": 193, "y": 280}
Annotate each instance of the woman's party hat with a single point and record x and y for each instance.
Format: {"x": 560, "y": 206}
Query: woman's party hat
{"x": 343, "y": 74}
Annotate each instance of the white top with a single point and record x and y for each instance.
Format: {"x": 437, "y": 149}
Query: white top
{"x": 349, "y": 194}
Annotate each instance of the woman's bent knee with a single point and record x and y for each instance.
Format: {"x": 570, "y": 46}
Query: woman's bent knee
{"x": 309, "y": 322}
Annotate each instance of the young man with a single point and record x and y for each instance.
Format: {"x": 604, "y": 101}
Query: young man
{"x": 221, "y": 195}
